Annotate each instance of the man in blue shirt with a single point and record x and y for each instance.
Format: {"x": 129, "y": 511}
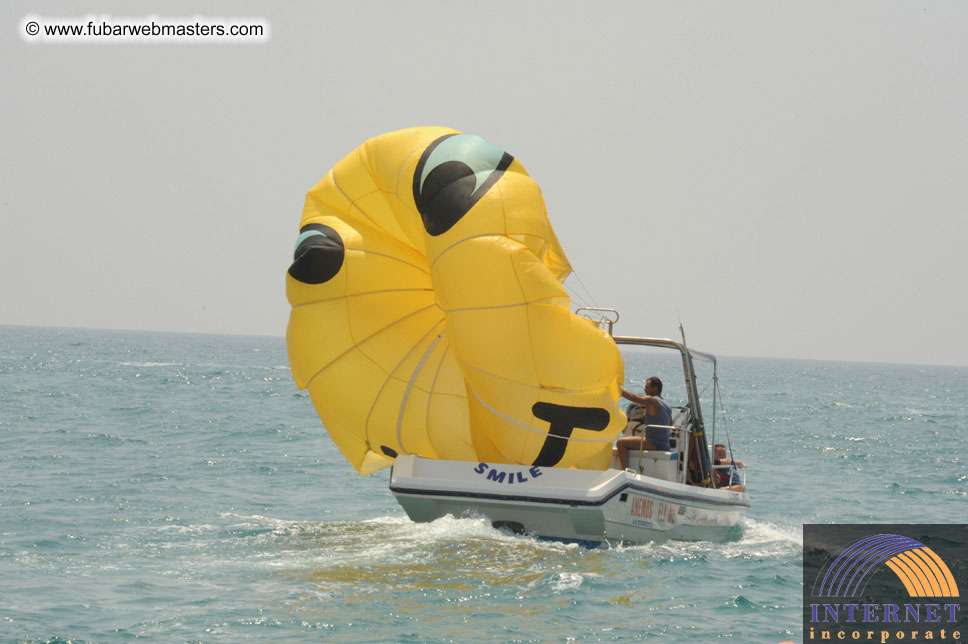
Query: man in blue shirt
{"x": 658, "y": 417}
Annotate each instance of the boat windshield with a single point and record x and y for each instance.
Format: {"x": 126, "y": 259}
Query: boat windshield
{"x": 692, "y": 399}
{"x": 645, "y": 361}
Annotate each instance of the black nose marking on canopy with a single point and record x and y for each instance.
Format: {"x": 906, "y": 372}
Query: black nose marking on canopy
{"x": 564, "y": 420}
{"x": 318, "y": 256}
{"x": 453, "y": 173}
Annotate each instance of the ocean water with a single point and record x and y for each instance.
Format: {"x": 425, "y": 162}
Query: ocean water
{"x": 179, "y": 488}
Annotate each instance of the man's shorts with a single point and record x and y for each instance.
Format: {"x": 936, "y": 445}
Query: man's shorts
{"x": 658, "y": 437}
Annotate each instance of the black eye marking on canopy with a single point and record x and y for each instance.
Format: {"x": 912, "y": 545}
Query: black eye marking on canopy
{"x": 318, "y": 256}
{"x": 453, "y": 173}
{"x": 564, "y": 420}
{"x": 392, "y": 453}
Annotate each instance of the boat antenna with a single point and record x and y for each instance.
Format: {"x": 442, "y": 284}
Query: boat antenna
{"x": 682, "y": 332}
{"x": 715, "y": 392}
{"x": 729, "y": 443}
{"x": 698, "y": 438}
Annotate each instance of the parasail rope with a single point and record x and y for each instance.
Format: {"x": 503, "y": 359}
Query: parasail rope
{"x": 574, "y": 292}
{"x": 722, "y": 410}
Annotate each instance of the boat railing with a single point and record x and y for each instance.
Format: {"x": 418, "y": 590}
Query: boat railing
{"x": 641, "y": 437}
{"x": 598, "y": 316}
{"x": 682, "y": 443}
{"x": 740, "y": 470}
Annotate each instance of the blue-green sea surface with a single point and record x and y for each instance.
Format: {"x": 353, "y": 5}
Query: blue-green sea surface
{"x": 179, "y": 488}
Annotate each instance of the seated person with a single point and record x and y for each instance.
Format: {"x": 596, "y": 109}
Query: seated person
{"x": 657, "y": 412}
{"x": 727, "y": 477}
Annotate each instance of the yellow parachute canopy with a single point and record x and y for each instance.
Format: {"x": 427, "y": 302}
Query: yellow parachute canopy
{"x": 428, "y": 315}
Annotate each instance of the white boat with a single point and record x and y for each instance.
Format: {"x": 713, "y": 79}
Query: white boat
{"x": 661, "y": 495}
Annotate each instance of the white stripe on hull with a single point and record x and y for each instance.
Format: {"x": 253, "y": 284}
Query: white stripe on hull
{"x": 565, "y": 504}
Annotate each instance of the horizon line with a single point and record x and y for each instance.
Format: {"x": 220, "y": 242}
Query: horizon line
{"x": 282, "y": 336}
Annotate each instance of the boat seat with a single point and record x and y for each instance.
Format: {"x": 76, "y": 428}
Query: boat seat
{"x": 655, "y": 463}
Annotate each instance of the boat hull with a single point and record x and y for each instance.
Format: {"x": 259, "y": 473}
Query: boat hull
{"x": 565, "y": 504}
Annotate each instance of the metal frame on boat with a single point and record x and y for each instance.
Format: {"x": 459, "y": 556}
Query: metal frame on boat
{"x": 662, "y": 495}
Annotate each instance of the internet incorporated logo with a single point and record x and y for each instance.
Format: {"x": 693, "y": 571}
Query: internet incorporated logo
{"x": 922, "y": 572}
{"x": 883, "y": 583}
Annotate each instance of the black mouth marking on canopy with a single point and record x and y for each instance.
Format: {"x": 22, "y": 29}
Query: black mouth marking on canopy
{"x": 318, "y": 256}
{"x": 564, "y": 420}
{"x": 452, "y": 175}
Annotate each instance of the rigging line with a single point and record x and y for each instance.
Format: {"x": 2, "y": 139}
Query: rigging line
{"x": 413, "y": 378}
{"x": 365, "y": 340}
{"x": 419, "y": 148}
{"x": 401, "y": 243}
{"x": 570, "y": 286}
{"x": 368, "y": 163}
{"x": 396, "y": 186}
{"x": 380, "y": 292}
{"x": 353, "y": 205}
{"x": 461, "y": 241}
{"x": 430, "y": 396}
{"x": 722, "y": 410}
{"x": 578, "y": 302}
{"x": 422, "y": 269}
{"x": 490, "y": 307}
{"x": 376, "y": 399}
{"x": 366, "y": 220}
{"x": 433, "y": 387}
{"x": 525, "y": 384}
{"x": 517, "y": 278}
{"x": 346, "y": 297}
{"x": 705, "y": 387}
{"x": 578, "y": 277}
{"x": 575, "y": 295}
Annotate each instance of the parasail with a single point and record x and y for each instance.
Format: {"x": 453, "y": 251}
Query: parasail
{"x": 428, "y": 313}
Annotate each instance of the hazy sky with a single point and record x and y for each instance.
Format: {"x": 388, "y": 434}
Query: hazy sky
{"x": 789, "y": 178}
